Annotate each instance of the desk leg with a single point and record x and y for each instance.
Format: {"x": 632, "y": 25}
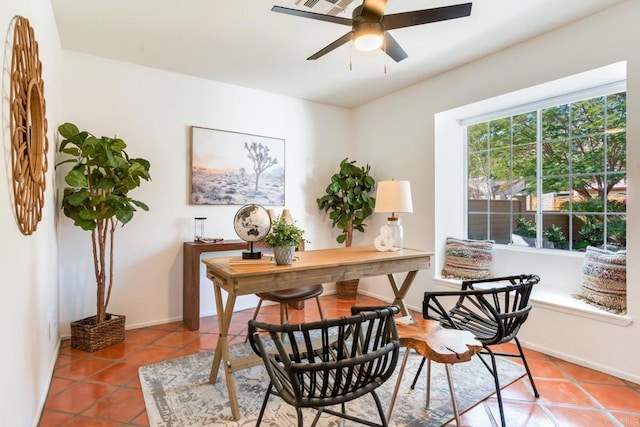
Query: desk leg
{"x": 222, "y": 349}
{"x": 402, "y": 292}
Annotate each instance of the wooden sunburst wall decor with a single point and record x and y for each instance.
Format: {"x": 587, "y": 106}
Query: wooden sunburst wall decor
{"x": 29, "y": 144}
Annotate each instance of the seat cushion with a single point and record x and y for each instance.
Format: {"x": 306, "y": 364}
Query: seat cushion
{"x": 293, "y": 294}
{"x": 604, "y": 279}
{"x": 467, "y": 259}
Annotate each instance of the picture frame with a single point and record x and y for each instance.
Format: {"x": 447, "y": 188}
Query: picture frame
{"x": 234, "y": 168}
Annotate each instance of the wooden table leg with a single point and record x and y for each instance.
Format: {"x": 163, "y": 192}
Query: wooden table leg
{"x": 402, "y": 292}
{"x": 222, "y": 349}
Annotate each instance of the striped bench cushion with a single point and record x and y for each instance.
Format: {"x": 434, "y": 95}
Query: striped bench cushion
{"x": 467, "y": 259}
{"x": 604, "y": 279}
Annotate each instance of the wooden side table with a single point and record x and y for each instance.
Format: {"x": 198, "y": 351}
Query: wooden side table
{"x": 191, "y": 275}
{"x": 429, "y": 339}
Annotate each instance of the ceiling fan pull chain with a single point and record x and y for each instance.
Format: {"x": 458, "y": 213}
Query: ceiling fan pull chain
{"x": 350, "y": 56}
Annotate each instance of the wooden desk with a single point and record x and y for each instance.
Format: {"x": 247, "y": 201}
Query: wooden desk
{"x": 312, "y": 267}
{"x": 191, "y": 276}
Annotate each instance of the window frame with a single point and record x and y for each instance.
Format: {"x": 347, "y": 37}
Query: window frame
{"x": 537, "y": 107}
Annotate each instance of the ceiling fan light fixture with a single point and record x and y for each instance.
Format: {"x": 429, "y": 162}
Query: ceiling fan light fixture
{"x": 368, "y": 36}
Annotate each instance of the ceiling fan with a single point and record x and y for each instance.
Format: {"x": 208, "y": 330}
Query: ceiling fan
{"x": 370, "y": 26}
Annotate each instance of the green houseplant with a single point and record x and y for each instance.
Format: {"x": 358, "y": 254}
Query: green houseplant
{"x": 285, "y": 237}
{"x": 96, "y": 199}
{"x": 348, "y": 204}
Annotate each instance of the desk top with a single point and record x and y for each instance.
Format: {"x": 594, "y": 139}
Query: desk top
{"x": 312, "y": 267}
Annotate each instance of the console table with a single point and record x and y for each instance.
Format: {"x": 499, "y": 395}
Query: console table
{"x": 191, "y": 275}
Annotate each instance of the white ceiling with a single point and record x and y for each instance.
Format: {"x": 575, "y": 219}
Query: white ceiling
{"x": 243, "y": 43}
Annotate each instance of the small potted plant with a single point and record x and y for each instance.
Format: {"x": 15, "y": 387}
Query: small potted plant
{"x": 96, "y": 199}
{"x": 348, "y": 204}
{"x": 285, "y": 237}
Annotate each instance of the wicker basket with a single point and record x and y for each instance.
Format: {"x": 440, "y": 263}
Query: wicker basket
{"x": 88, "y": 336}
{"x": 347, "y": 289}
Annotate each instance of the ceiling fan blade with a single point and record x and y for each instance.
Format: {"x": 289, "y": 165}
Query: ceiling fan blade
{"x": 373, "y": 9}
{"x": 342, "y": 40}
{"x": 418, "y": 17}
{"x": 393, "y": 49}
{"x": 312, "y": 15}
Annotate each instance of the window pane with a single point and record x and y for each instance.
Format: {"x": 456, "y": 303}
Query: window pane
{"x": 500, "y": 228}
{"x": 524, "y": 230}
{"x": 556, "y": 231}
{"x": 524, "y": 169}
{"x": 616, "y": 112}
{"x": 587, "y": 117}
{"x": 525, "y": 128}
{"x": 617, "y": 193}
{"x": 477, "y": 226}
{"x": 478, "y": 137}
{"x": 617, "y": 231}
{"x": 555, "y": 193}
{"x": 590, "y": 231}
{"x": 500, "y": 172}
{"x": 587, "y": 154}
{"x": 588, "y": 194}
{"x": 555, "y": 158}
{"x": 478, "y": 187}
{"x": 617, "y": 151}
{"x": 500, "y": 131}
{"x": 555, "y": 122}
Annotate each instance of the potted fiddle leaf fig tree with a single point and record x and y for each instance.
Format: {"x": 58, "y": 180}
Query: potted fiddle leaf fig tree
{"x": 348, "y": 204}
{"x": 97, "y": 200}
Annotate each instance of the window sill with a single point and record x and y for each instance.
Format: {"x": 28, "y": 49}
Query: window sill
{"x": 560, "y": 301}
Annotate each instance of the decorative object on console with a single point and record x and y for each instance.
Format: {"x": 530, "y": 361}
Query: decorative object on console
{"x": 97, "y": 200}
{"x": 392, "y": 197}
{"x": 467, "y": 259}
{"x": 198, "y": 228}
{"x": 604, "y": 279}
{"x": 252, "y": 223}
{"x": 285, "y": 237}
{"x": 232, "y": 168}
{"x": 348, "y": 204}
{"x": 28, "y": 127}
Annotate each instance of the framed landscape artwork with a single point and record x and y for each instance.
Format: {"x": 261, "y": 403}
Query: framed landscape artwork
{"x": 232, "y": 168}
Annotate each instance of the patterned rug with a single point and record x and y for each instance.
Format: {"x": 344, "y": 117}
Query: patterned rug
{"x": 177, "y": 393}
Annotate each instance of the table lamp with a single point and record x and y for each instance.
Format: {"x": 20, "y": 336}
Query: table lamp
{"x": 393, "y": 197}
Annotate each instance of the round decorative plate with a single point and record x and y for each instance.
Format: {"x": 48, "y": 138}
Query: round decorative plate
{"x": 29, "y": 144}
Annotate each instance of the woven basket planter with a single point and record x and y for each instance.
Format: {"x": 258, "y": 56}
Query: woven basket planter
{"x": 88, "y": 336}
{"x": 347, "y": 289}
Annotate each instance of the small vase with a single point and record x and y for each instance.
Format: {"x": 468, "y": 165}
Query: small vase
{"x": 284, "y": 254}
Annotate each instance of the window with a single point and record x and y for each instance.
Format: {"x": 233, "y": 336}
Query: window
{"x": 550, "y": 175}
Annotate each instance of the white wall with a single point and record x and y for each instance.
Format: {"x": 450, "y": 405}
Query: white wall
{"x": 402, "y": 146}
{"x": 28, "y": 264}
{"x": 152, "y": 111}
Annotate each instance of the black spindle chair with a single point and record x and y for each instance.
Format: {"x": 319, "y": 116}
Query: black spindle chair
{"x": 493, "y": 310}
{"x": 328, "y": 362}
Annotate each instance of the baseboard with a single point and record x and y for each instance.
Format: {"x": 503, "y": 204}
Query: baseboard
{"x": 582, "y": 362}
{"x": 43, "y": 397}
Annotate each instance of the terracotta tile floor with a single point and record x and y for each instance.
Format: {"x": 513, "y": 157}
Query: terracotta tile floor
{"x": 102, "y": 388}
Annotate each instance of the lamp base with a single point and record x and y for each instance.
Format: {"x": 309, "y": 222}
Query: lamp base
{"x": 252, "y": 255}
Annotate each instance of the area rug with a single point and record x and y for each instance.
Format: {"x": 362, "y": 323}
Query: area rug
{"x": 177, "y": 394}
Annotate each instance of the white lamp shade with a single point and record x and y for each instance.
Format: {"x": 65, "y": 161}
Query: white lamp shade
{"x": 393, "y": 196}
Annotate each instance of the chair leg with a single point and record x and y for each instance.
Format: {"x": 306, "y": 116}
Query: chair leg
{"x": 494, "y": 373}
{"x": 526, "y": 366}
{"x": 428, "y": 394}
{"x": 380, "y": 410}
{"x": 415, "y": 379}
{"x": 264, "y": 404}
{"x": 453, "y": 395}
{"x": 320, "y": 308}
{"x": 398, "y": 381}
